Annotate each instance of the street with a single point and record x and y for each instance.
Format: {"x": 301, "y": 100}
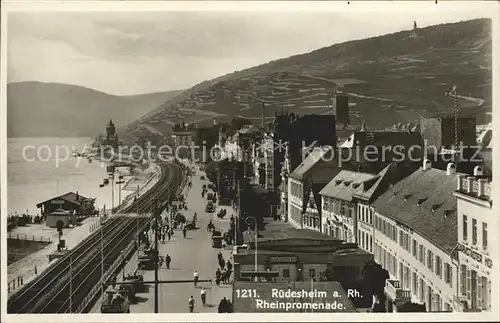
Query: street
{"x": 195, "y": 252}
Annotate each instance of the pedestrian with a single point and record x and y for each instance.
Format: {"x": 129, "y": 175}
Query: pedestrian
{"x": 229, "y": 306}
{"x": 163, "y": 238}
{"x": 184, "y": 231}
{"x": 229, "y": 265}
{"x": 220, "y": 309}
{"x": 224, "y": 305}
{"x": 191, "y": 304}
{"x": 167, "y": 261}
{"x": 169, "y": 235}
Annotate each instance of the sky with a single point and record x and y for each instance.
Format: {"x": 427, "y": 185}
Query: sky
{"x": 125, "y": 53}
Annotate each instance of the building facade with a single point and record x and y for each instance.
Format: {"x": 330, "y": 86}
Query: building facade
{"x": 475, "y": 218}
{"x": 339, "y": 209}
{"x": 415, "y": 239}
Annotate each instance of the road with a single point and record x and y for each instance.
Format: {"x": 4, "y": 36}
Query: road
{"x": 193, "y": 253}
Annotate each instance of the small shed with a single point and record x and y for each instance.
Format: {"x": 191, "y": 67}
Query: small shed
{"x": 60, "y": 215}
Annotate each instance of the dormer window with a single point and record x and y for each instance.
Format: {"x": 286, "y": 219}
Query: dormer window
{"x": 347, "y": 183}
{"x": 338, "y": 182}
{"x": 407, "y": 196}
{"x": 355, "y": 185}
{"x": 420, "y": 201}
{"x": 435, "y": 207}
{"x": 447, "y": 213}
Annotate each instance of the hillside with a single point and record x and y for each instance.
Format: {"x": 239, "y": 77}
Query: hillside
{"x": 390, "y": 79}
{"x": 53, "y": 109}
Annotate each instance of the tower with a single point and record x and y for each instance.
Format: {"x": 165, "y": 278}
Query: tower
{"x": 110, "y": 129}
{"x": 341, "y": 108}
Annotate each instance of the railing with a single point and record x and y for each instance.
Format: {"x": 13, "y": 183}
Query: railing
{"x": 18, "y": 236}
{"x": 111, "y": 270}
{"x": 475, "y": 186}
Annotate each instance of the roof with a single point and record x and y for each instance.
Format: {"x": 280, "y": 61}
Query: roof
{"x": 264, "y": 290}
{"x": 424, "y": 201}
{"x": 345, "y": 184}
{"x": 282, "y": 230}
{"x": 69, "y": 197}
{"x": 383, "y": 138}
{"x": 309, "y": 162}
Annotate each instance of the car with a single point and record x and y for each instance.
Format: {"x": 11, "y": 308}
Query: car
{"x": 210, "y": 208}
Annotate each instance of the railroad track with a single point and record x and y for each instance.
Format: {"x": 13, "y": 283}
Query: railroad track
{"x": 61, "y": 290}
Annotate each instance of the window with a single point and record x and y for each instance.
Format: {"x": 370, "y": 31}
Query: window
{"x": 439, "y": 267}
{"x": 463, "y": 280}
{"x": 430, "y": 259}
{"x": 401, "y": 238}
{"x": 370, "y": 246}
{"x": 414, "y": 248}
{"x": 464, "y": 229}
{"x": 485, "y": 236}
{"x": 474, "y": 231}
{"x": 286, "y": 273}
{"x": 414, "y": 284}
{"x": 370, "y": 215}
{"x": 421, "y": 254}
{"x": 447, "y": 273}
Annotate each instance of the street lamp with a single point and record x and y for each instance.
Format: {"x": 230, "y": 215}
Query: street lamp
{"x": 112, "y": 178}
{"x": 256, "y": 236}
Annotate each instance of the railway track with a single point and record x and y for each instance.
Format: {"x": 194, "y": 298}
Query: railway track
{"x": 66, "y": 283}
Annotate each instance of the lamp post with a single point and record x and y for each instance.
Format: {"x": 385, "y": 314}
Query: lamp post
{"x": 312, "y": 274}
{"x": 255, "y": 238}
{"x": 112, "y": 178}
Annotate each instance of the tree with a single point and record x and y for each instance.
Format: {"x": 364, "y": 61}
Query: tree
{"x": 374, "y": 277}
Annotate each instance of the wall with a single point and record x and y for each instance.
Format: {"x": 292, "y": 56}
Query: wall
{"x": 446, "y": 291}
{"x": 17, "y": 249}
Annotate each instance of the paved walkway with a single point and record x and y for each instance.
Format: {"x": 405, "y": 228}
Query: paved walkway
{"x": 193, "y": 253}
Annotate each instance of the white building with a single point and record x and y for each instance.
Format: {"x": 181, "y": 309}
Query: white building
{"x": 415, "y": 227}
{"x": 475, "y": 218}
{"x": 304, "y": 185}
{"x": 339, "y": 217}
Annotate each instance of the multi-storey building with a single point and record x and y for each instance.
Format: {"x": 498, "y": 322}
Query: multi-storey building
{"x": 339, "y": 217}
{"x": 415, "y": 227}
{"x": 304, "y": 185}
{"x": 475, "y": 218}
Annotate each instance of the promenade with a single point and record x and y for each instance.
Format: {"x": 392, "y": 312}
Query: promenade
{"x": 195, "y": 252}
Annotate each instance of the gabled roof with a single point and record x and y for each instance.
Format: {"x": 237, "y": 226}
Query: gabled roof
{"x": 70, "y": 197}
{"x": 345, "y": 184}
{"x": 424, "y": 201}
{"x": 317, "y": 154}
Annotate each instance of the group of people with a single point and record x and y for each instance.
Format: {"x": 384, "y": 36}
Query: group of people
{"x": 223, "y": 273}
{"x": 225, "y": 306}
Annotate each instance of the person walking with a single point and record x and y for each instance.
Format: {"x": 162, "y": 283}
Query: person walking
{"x": 184, "y": 231}
{"x": 191, "y": 304}
{"x": 203, "y": 295}
{"x": 167, "y": 261}
{"x": 196, "y": 276}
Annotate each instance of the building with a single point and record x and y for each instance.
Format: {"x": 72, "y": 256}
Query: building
{"x": 81, "y": 206}
{"x": 475, "y": 218}
{"x": 301, "y": 255}
{"x": 304, "y": 186}
{"x": 339, "y": 210}
{"x": 440, "y": 132}
{"x": 342, "y": 109}
{"x": 415, "y": 238}
{"x": 368, "y": 192}
{"x": 182, "y": 137}
{"x": 61, "y": 219}
{"x": 111, "y": 140}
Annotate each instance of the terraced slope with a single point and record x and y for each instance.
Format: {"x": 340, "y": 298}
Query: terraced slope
{"x": 399, "y": 77}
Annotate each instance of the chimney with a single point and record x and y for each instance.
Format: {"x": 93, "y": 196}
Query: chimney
{"x": 263, "y": 114}
{"x": 481, "y": 183}
{"x": 478, "y": 171}
{"x": 77, "y": 196}
{"x": 460, "y": 178}
{"x": 426, "y": 164}
{"x": 470, "y": 181}
{"x": 451, "y": 169}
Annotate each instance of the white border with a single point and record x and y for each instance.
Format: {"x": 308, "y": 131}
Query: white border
{"x": 354, "y": 6}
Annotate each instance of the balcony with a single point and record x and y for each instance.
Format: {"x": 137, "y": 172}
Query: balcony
{"x": 395, "y": 291}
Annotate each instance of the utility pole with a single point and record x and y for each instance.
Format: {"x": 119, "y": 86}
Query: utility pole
{"x": 157, "y": 254}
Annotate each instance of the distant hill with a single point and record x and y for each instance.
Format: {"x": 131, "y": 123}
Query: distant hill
{"x": 390, "y": 79}
{"x": 54, "y": 109}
